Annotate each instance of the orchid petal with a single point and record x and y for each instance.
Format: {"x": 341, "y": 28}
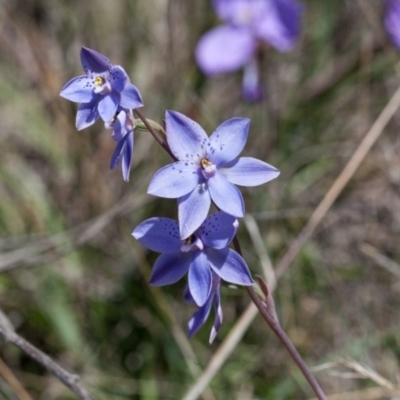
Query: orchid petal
{"x": 131, "y": 97}
{"x": 280, "y": 26}
{"x": 226, "y": 196}
{"x": 392, "y": 21}
{"x": 186, "y": 138}
{"x": 169, "y": 268}
{"x": 127, "y": 156}
{"x": 118, "y": 153}
{"x": 87, "y": 114}
{"x": 193, "y": 209}
{"x": 79, "y": 89}
{"x": 92, "y": 61}
{"x": 119, "y": 126}
{"x": 118, "y": 78}
{"x": 229, "y": 266}
{"x": 158, "y": 234}
{"x": 218, "y": 316}
{"x": 199, "y": 278}
{"x": 218, "y": 230}
{"x": 108, "y": 105}
{"x": 248, "y": 171}
{"x": 228, "y": 140}
{"x": 199, "y": 318}
{"x": 174, "y": 180}
{"x": 225, "y": 49}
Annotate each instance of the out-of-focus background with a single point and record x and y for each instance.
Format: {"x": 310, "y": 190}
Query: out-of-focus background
{"x": 73, "y": 280}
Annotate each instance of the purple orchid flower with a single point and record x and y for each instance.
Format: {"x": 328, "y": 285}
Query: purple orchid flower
{"x": 392, "y": 21}
{"x": 199, "y": 318}
{"x": 205, "y": 251}
{"x": 123, "y": 124}
{"x": 101, "y": 90}
{"x": 207, "y": 169}
{"x": 247, "y": 24}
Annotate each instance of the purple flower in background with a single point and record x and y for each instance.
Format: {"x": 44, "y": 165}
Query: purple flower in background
{"x": 201, "y": 255}
{"x": 199, "y": 318}
{"x": 208, "y": 168}
{"x": 247, "y": 24}
{"x": 123, "y": 124}
{"x": 392, "y": 21}
{"x": 101, "y": 90}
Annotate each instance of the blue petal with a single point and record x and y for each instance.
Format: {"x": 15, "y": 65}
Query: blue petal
{"x": 200, "y": 278}
{"x": 280, "y": 26}
{"x": 186, "y": 138}
{"x": 252, "y": 88}
{"x": 218, "y": 316}
{"x": 193, "y": 209}
{"x": 127, "y": 156}
{"x": 87, "y": 114}
{"x": 108, "y": 106}
{"x": 199, "y": 318}
{"x": 158, "y": 234}
{"x": 188, "y": 296}
{"x": 225, "y": 49}
{"x": 92, "y": 61}
{"x": 131, "y": 97}
{"x": 228, "y": 140}
{"x": 392, "y": 21}
{"x": 218, "y": 230}
{"x": 248, "y": 171}
{"x": 117, "y": 155}
{"x": 119, "y": 127}
{"x": 118, "y": 78}
{"x": 174, "y": 180}
{"x": 225, "y": 195}
{"x": 229, "y": 266}
{"x": 169, "y": 268}
{"x": 79, "y": 89}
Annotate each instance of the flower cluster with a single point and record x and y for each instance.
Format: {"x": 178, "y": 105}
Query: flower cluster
{"x": 105, "y": 92}
{"x": 206, "y": 170}
{"x": 248, "y": 24}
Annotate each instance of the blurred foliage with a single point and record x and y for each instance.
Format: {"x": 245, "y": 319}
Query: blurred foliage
{"x": 73, "y": 280}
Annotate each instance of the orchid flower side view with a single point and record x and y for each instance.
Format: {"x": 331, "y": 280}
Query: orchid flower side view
{"x": 204, "y": 174}
{"x": 248, "y": 24}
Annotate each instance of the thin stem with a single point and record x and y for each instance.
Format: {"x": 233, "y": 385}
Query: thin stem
{"x": 280, "y": 333}
{"x": 160, "y": 141}
{"x": 68, "y": 379}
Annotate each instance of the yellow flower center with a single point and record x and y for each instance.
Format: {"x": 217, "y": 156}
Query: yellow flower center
{"x": 99, "y": 81}
{"x": 205, "y": 163}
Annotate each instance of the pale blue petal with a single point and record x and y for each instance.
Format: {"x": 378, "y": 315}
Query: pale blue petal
{"x": 226, "y": 196}
{"x": 218, "y": 316}
{"x": 199, "y": 318}
{"x": 218, "y": 230}
{"x": 174, "y": 180}
{"x": 186, "y": 138}
{"x": 79, "y": 89}
{"x": 225, "y": 49}
{"x": 392, "y": 21}
{"x": 159, "y": 234}
{"x": 248, "y": 171}
{"x": 117, "y": 155}
{"x": 118, "y": 78}
{"x": 169, "y": 268}
{"x": 228, "y": 140}
{"x": 280, "y": 26}
{"x": 229, "y": 266}
{"x": 108, "y": 106}
{"x": 92, "y": 61}
{"x": 127, "y": 156}
{"x": 199, "y": 278}
{"x": 119, "y": 126}
{"x": 193, "y": 209}
{"x": 87, "y": 114}
{"x": 131, "y": 97}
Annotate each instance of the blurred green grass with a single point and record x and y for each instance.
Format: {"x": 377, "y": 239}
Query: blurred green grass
{"x": 87, "y": 302}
